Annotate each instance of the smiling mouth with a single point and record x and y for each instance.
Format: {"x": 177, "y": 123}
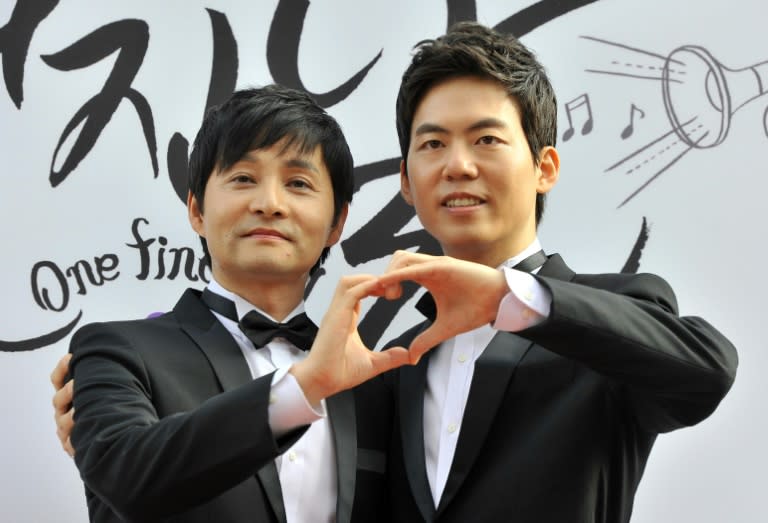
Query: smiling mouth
{"x": 265, "y": 234}
{"x": 462, "y": 202}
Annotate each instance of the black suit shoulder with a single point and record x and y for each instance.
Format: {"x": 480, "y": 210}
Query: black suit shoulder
{"x": 156, "y": 433}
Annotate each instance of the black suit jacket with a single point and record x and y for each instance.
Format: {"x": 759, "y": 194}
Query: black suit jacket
{"x": 170, "y": 426}
{"x": 561, "y": 417}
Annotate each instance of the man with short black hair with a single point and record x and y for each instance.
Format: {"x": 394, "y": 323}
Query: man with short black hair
{"x": 185, "y": 417}
{"x": 547, "y": 390}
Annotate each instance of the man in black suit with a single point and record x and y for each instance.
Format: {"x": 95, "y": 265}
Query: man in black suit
{"x": 203, "y": 415}
{"x": 547, "y": 391}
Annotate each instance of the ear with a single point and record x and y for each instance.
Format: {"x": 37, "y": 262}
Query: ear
{"x": 338, "y": 227}
{"x": 405, "y": 186}
{"x": 195, "y": 214}
{"x": 548, "y": 169}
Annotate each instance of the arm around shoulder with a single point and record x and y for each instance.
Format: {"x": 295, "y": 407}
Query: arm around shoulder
{"x": 151, "y": 442}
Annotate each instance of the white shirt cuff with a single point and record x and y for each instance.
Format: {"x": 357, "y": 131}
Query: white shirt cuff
{"x": 527, "y": 304}
{"x": 288, "y": 406}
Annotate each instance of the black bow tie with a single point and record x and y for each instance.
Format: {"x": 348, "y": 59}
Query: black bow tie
{"x": 426, "y": 304}
{"x": 299, "y": 330}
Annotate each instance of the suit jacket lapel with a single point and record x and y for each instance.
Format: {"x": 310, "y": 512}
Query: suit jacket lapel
{"x": 556, "y": 268}
{"x": 270, "y": 481}
{"x": 231, "y": 370}
{"x": 493, "y": 371}
{"x": 411, "y": 411}
{"x": 214, "y": 340}
{"x": 341, "y": 413}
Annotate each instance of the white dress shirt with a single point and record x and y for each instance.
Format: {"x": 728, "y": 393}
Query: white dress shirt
{"x": 307, "y": 470}
{"x": 452, "y": 365}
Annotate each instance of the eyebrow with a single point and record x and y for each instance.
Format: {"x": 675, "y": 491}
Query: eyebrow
{"x": 485, "y": 123}
{"x": 488, "y": 123}
{"x": 301, "y": 163}
{"x": 295, "y": 162}
{"x": 429, "y": 128}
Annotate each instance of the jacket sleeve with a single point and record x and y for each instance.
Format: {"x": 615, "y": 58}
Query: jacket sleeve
{"x": 145, "y": 466}
{"x": 674, "y": 370}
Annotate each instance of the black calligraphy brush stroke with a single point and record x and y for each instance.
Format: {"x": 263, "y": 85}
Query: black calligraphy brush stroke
{"x": 632, "y": 264}
{"x": 15, "y": 37}
{"x": 461, "y": 10}
{"x": 40, "y": 341}
{"x": 130, "y": 38}
{"x": 378, "y": 237}
{"x": 283, "y": 53}
{"x": 225, "y": 64}
{"x": 538, "y": 14}
{"x": 374, "y": 171}
{"x": 224, "y": 71}
{"x": 177, "y": 160}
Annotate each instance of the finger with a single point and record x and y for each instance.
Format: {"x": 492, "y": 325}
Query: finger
{"x": 398, "y": 260}
{"x": 64, "y": 433}
{"x": 401, "y": 259}
{"x": 60, "y": 371}
{"x": 389, "y": 359}
{"x": 420, "y": 273}
{"x": 67, "y": 421}
{"x": 62, "y": 399}
{"x": 68, "y": 448}
{"x": 64, "y": 424}
{"x": 393, "y": 291}
{"x": 364, "y": 288}
{"x": 429, "y": 339}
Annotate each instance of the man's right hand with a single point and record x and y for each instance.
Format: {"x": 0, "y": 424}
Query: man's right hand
{"x": 63, "y": 412}
{"x": 339, "y": 359}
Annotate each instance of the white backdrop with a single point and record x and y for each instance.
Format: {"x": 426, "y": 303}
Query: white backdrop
{"x": 703, "y": 207}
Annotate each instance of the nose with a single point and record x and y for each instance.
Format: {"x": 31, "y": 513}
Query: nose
{"x": 268, "y": 198}
{"x": 459, "y": 163}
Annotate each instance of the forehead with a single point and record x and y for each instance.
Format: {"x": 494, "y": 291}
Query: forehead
{"x": 288, "y": 153}
{"x": 465, "y": 98}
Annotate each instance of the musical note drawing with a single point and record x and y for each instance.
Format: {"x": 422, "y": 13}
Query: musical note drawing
{"x": 573, "y": 105}
{"x": 629, "y": 129}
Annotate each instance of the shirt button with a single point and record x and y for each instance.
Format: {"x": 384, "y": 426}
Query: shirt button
{"x": 272, "y": 399}
{"x": 462, "y": 358}
{"x": 528, "y": 296}
{"x": 451, "y": 428}
{"x": 292, "y": 456}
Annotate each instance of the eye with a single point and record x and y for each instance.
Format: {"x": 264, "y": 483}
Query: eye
{"x": 431, "y": 144}
{"x": 299, "y": 183}
{"x": 489, "y": 140}
{"x": 242, "y": 178}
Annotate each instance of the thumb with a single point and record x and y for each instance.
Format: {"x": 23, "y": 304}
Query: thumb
{"x": 389, "y": 359}
{"x": 426, "y": 341}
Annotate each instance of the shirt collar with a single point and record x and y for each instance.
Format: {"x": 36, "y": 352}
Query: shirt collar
{"x": 535, "y": 246}
{"x": 243, "y": 306}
